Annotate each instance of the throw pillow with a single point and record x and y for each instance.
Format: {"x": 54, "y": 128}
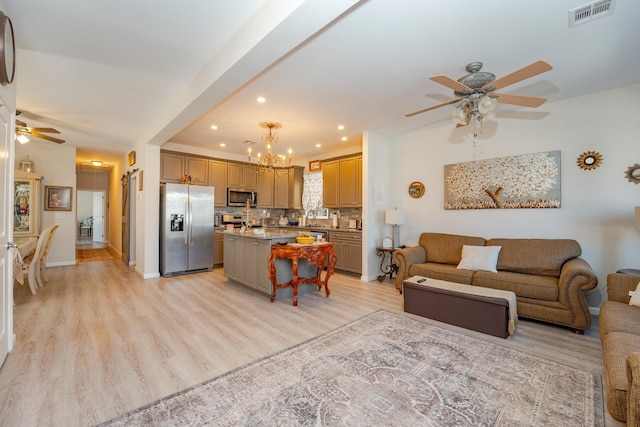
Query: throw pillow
{"x": 479, "y": 258}
{"x": 635, "y": 298}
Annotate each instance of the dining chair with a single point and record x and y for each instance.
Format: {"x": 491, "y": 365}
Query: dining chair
{"x": 41, "y": 270}
{"x": 31, "y": 262}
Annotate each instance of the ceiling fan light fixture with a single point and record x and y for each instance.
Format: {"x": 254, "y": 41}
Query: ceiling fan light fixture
{"x": 486, "y": 105}
{"x": 22, "y": 139}
{"x": 458, "y": 116}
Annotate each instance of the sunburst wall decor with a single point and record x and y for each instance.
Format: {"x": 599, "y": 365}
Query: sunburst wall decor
{"x": 633, "y": 173}
{"x": 589, "y": 160}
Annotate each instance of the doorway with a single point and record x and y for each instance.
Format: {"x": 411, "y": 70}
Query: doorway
{"x": 91, "y": 213}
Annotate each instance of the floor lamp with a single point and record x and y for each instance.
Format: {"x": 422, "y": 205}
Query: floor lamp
{"x": 395, "y": 218}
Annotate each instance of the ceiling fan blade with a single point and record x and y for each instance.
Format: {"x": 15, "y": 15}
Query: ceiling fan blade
{"x": 525, "y": 101}
{"x": 47, "y": 130}
{"x": 424, "y": 110}
{"x": 534, "y": 69}
{"x": 451, "y": 83}
{"x": 47, "y": 137}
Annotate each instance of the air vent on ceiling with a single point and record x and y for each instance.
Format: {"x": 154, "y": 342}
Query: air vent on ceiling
{"x": 592, "y": 11}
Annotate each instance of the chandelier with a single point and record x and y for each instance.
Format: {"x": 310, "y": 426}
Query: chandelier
{"x": 270, "y": 162}
{"x": 476, "y": 107}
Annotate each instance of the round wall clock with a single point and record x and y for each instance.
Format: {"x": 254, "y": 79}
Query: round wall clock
{"x": 7, "y": 51}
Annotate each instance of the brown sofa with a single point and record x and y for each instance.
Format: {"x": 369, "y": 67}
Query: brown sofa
{"x": 620, "y": 337}
{"x": 547, "y": 275}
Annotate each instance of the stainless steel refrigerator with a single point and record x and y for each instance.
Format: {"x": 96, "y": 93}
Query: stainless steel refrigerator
{"x": 186, "y": 229}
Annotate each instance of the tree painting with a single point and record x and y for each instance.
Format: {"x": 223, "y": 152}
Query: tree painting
{"x": 525, "y": 181}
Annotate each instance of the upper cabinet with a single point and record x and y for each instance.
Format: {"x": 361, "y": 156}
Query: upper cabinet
{"x": 171, "y": 167}
{"x": 174, "y": 167}
{"x": 288, "y": 189}
{"x": 218, "y": 180}
{"x": 265, "y": 190}
{"x": 342, "y": 182}
{"x": 26, "y": 198}
{"x": 242, "y": 176}
{"x": 198, "y": 169}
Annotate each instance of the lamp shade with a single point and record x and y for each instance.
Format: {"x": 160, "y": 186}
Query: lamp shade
{"x": 394, "y": 217}
{"x": 637, "y": 226}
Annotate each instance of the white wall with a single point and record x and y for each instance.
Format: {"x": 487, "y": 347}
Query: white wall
{"x": 57, "y": 163}
{"x": 597, "y": 205}
{"x": 377, "y": 197}
{"x": 84, "y": 204}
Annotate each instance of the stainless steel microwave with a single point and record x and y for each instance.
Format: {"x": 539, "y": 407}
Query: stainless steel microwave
{"x": 239, "y": 197}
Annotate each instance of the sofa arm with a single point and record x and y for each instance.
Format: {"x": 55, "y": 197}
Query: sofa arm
{"x": 403, "y": 258}
{"x": 633, "y": 394}
{"x": 619, "y": 285}
{"x": 576, "y": 277}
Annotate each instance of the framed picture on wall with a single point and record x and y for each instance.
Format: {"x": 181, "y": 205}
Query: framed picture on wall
{"x": 315, "y": 166}
{"x": 57, "y": 198}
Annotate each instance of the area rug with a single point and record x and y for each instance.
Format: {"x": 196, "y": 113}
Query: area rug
{"x": 91, "y": 255}
{"x": 387, "y": 369}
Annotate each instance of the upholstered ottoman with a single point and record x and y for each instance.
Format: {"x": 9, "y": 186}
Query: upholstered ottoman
{"x": 490, "y": 311}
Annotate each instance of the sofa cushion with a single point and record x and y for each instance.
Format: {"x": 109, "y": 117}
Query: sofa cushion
{"x": 447, "y": 248}
{"x": 542, "y": 257}
{"x": 619, "y": 317}
{"x": 615, "y": 348}
{"x": 523, "y": 285}
{"x": 441, "y": 272}
{"x": 635, "y": 297}
{"x": 478, "y": 258}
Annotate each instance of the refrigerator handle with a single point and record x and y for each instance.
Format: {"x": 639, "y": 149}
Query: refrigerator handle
{"x": 187, "y": 221}
{"x": 190, "y": 219}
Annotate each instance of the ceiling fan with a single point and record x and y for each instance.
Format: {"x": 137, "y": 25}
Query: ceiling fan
{"x": 22, "y": 130}
{"x": 476, "y": 92}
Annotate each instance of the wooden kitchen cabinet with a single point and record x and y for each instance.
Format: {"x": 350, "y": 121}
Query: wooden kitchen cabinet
{"x": 26, "y": 199}
{"x": 257, "y": 253}
{"x": 342, "y": 182}
{"x": 330, "y": 184}
{"x": 265, "y": 190}
{"x": 218, "y": 180}
{"x": 348, "y": 248}
{"x": 198, "y": 169}
{"x": 171, "y": 167}
{"x": 174, "y": 166}
{"x": 234, "y": 252}
{"x": 242, "y": 176}
{"x": 288, "y": 188}
{"x": 218, "y": 249}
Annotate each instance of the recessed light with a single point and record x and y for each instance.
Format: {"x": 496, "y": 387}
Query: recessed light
{"x": 222, "y": 144}
{"x": 344, "y": 138}
{"x": 341, "y": 127}
{"x": 261, "y": 99}
{"x": 318, "y": 145}
{"x": 214, "y": 127}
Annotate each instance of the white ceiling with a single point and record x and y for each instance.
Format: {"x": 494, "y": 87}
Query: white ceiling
{"x": 110, "y": 74}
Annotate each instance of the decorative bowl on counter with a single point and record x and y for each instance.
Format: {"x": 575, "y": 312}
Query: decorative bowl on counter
{"x": 293, "y": 222}
{"x": 305, "y": 239}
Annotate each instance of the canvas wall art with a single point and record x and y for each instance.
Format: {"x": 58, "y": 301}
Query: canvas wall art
{"x": 515, "y": 182}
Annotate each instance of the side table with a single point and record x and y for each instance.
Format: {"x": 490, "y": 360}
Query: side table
{"x": 629, "y": 271}
{"x": 315, "y": 254}
{"x": 390, "y": 268}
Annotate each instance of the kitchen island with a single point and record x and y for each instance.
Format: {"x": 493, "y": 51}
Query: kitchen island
{"x": 246, "y": 260}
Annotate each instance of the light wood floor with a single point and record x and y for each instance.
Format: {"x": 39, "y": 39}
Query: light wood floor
{"x": 98, "y": 341}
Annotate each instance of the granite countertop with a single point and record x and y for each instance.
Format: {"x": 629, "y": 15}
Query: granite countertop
{"x": 284, "y": 231}
{"x": 315, "y": 228}
{"x": 274, "y": 234}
